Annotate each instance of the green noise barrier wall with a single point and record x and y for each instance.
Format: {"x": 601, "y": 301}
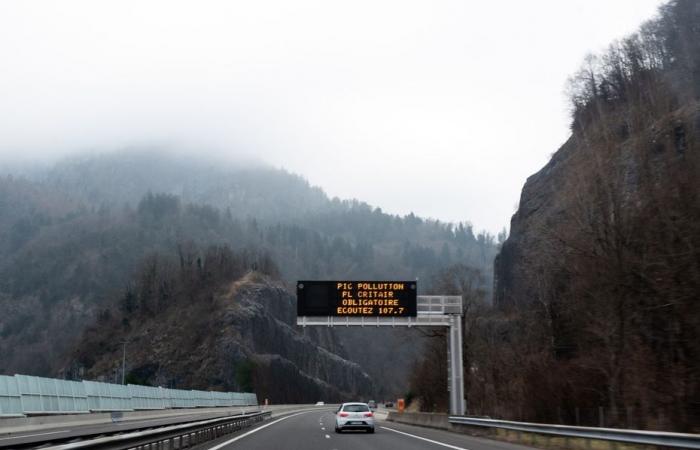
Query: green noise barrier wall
{"x": 22, "y": 395}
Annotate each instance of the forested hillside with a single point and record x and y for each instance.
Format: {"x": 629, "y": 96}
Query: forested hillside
{"x": 597, "y": 286}
{"x": 74, "y": 239}
{"x": 262, "y": 207}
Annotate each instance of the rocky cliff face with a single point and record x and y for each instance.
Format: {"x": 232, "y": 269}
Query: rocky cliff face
{"x": 600, "y": 277}
{"x": 601, "y": 274}
{"x": 537, "y": 210}
{"x": 596, "y": 184}
{"x": 245, "y": 339}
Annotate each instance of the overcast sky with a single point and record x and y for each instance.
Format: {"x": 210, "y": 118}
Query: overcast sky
{"x": 442, "y": 108}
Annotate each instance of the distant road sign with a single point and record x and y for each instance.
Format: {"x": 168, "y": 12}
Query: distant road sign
{"x": 357, "y": 298}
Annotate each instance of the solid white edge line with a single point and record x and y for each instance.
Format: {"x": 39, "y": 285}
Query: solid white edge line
{"x": 425, "y": 439}
{"x": 31, "y": 435}
{"x": 224, "y": 444}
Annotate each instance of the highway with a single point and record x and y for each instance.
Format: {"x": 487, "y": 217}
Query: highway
{"x": 314, "y": 430}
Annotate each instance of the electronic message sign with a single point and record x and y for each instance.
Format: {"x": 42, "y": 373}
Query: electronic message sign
{"x": 357, "y": 298}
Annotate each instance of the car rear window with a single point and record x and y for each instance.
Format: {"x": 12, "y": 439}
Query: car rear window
{"x": 355, "y": 408}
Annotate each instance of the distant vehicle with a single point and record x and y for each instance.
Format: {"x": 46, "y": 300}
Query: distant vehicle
{"x": 320, "y": 403}
{"x": 372, "y": 404}
{"x": 354, "y": 416}
{"x": 388, "y": 404}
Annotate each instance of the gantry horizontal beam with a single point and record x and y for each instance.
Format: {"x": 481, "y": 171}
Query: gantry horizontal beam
{"x": 431, "y": 320}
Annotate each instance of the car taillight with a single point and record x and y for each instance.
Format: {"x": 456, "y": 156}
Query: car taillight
{"x": 369, "y": 414}
{"x": 343, "y": 414}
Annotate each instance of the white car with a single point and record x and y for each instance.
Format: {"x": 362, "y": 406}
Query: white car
{"x": 354, "y": 416}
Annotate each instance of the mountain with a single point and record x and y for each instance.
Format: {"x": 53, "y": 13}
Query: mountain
{"x": 603, "y": 250}
{"x": 76, "y": 236}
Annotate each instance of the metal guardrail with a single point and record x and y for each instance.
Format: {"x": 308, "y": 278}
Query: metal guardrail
{"x": 168, "y": 437}
{"x": 664, "y": 439}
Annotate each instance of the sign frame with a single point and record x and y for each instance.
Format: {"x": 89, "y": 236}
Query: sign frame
{"x": 357, "y": 298}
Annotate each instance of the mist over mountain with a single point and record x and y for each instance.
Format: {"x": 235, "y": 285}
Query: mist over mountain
{"x": 118, "y": 178}
{"x": 74, "y": 238}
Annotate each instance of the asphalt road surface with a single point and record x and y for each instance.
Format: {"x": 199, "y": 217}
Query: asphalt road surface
{"x": 314, "y": 430}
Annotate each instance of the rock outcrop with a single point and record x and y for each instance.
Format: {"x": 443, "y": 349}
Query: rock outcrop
{"x": 246, "y": 338}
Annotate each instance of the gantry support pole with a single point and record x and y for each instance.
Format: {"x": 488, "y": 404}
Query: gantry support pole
{"x": 456, "y": 378}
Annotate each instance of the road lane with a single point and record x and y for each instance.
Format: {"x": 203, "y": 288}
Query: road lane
{"x": 298, "y": 431}
{"x": 315, "y": 431}
{"x": 446, "y": 437}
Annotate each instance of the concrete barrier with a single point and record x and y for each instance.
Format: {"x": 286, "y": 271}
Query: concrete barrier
{"x": 280, "y": 410}
{"x": 9, "y": 426}
{"x": 430, "y": 420}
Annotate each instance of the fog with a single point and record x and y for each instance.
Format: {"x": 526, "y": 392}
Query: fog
{"x": 440, "y": 108}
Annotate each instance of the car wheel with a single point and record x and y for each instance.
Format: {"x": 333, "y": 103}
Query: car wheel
{"x": 370, "y": 430}
{"x": 337, "y": 430}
